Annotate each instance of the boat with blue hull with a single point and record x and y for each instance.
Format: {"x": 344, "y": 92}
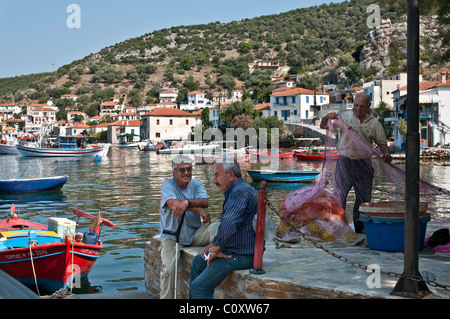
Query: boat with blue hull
{"x": 284, "y": 176}
{"x": 32, "y": 184}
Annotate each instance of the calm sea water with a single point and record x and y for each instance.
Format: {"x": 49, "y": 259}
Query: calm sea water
{"x": 125, "y": 188}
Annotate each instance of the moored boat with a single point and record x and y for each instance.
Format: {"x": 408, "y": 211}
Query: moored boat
{"x": 277, "y": 154}
{"x": 316, "y": 155}
{"x": 283, "y": 176}
{"x": 32, "y": 184}
{"x": 8, "y": 143}
{"x": 68, "y": 146}
{"x": 190, "y": 149}
{"x": 48, "y": 257}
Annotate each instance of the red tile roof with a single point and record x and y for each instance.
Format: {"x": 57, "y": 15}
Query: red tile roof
{"x": 127, "y": 123}
{"x": 263, "y": 106}
{"x": 167, "y": 111}
{"x": 78, "y": 125}
{"x": 297, "y": 91}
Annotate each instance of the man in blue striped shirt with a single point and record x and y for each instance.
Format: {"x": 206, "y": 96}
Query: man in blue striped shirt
{"x": 234, "y": 244}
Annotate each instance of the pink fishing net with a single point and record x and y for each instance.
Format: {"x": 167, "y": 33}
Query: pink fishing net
{"x": 317, "y": 212}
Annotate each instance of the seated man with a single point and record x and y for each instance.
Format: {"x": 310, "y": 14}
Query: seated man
{"x": 181, "y": 195}
{"x": 233, "y": 246}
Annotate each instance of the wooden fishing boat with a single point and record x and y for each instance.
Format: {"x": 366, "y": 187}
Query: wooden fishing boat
{"x": 315, "y": 155}
{"x": 283, "y": 176}
{"x": 49, "y": 257}
{"x": 32, "y": 184}
{"x": 280, "y": 155}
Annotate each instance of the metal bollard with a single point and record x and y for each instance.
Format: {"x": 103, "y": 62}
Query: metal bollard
{"x": 260, "y": 227}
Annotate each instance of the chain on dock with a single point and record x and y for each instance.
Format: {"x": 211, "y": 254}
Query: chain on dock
{"x": 345, "y": 259}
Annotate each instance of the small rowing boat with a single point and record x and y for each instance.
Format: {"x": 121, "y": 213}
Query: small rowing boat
{"x": 32, "y": 184}
{"x": 283, "y": 176}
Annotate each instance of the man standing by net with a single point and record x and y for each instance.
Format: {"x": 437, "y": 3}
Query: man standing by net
{"x": 354, "y": 165}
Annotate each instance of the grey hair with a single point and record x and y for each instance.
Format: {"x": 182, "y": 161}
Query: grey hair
{"x": 180, "y": 159}
{"x": 231, "y": 166}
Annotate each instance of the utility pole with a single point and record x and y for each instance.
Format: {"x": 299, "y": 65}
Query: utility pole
{"x": 407, "y": 287}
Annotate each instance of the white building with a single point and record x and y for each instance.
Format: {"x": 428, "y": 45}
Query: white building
{"x": 168, "y": 95}
{"x": 236, "y": 95}
{"x": 167, "y": 123}
{"x": 72, "y": 97}
{"x": 123, "y": 127}
{"x": 382, "y": 90}
{"x": 10, "y": 109}
{"x": 297, "y": 104}
{"x": 196, "y": 100}
{"x": 43, "y": 114}
{"x": 264, "y": 108}
{"x": 434, "y": 112}
{"x": 77, "y": 129}
{"x": 214, "y": 115}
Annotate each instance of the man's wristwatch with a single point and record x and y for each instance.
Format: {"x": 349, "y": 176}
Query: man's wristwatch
{"x": 189, "y": 202}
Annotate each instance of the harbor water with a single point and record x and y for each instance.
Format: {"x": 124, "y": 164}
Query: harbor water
{"x": 125, "y": 188}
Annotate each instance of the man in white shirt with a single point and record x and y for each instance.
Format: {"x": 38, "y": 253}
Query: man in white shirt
{"x": 354, "y": 165}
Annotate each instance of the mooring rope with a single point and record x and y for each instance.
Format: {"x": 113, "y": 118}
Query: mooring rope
{"x": 32, "y": 243}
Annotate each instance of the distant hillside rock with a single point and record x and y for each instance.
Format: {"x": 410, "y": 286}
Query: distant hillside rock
{"x": 378, "y": 51}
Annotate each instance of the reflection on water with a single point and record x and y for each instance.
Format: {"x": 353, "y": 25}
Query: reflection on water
{"x": 125, "y": 188}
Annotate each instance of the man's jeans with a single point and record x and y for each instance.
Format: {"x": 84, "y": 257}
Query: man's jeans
{"x": 204, "y": 279}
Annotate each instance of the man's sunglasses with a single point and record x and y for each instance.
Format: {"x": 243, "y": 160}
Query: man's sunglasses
{"x": 183, "y": 170}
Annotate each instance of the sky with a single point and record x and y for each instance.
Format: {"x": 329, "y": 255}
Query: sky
{"x": 43, "y": 35}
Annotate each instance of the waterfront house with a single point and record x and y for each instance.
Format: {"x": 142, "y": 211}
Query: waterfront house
{"x": 296, "y": 104}
{"x": 167, "y": 123}
{"x": 121, "y": 127}
{"x": 78, "y": 129}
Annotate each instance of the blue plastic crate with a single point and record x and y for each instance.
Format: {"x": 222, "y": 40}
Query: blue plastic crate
{"x": 388, "y": 234}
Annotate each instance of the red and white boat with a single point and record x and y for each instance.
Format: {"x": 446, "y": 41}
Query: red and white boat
{"x": 49, "y": 259}
{"x": 315, "y": 155}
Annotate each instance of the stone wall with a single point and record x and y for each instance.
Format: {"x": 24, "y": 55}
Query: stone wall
{"x": 238, "y": 285}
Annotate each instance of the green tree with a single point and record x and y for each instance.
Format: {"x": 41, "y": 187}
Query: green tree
{"x": 186, "y": 62}
{"x": 237, "y": 108}
{"x": 311, "y": 81}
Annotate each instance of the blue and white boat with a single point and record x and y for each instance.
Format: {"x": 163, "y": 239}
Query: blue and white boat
{"x": 283, "y": 176}
{"x": 32, "y": 184}
{"x": 68, "y": 146}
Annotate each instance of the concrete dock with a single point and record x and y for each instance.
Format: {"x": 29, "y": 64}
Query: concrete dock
{"x": 308, "y": 272}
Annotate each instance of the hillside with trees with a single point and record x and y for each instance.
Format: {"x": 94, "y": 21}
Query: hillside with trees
{"x": 216, "y": 57}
